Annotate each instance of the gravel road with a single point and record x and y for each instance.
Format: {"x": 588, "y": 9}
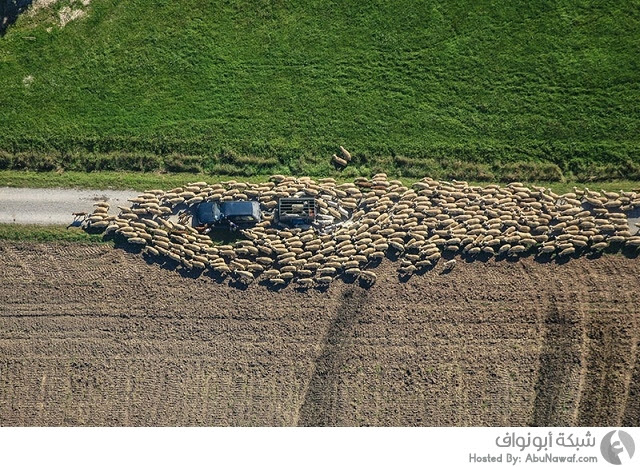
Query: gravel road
{"x": 48, "y": 206}
{"x": 53, "y": 206}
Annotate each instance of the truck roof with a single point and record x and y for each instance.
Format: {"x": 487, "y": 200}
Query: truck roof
{"x": 240, "y": 208}
{"x": 211, "y": 212}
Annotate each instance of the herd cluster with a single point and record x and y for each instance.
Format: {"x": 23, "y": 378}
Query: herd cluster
{"x": 362, "y": 222}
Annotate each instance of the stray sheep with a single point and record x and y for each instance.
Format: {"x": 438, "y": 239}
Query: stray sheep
{"x": 449, "y": 265}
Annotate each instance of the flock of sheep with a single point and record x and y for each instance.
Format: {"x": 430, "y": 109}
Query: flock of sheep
{"x": 362, "y": 222}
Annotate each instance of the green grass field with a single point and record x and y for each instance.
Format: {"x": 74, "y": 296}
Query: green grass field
{"x": 482, "y": 90}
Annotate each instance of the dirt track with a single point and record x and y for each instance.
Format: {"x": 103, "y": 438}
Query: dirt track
{"x": 90, "y": 335}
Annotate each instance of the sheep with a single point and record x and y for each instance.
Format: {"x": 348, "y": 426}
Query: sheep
{"x": 547, "y": 249}
{"x": 488, "y": 250}
{"x": 407, "y": 270}
{"x": 97, "y": 217}
{"x": 326, "y": 271}
{"x": 417, "y": 224}
{"x": 474, "y": 251}
{"x": 222, "y": 269}
{"x": 198, "y": 264}
{"x": 633, "y": 242}
{"x": 245, "y": 276}
{"x": 160, "y": 243}
{"x": 137, "y": 241}
{"x": 346, "y": 155}
{"x": 516, "y": 250}
{"x": 339, "y": 161}
{"x": 397, "y": 245}
{"x": 567, "y": 251}
{"x": 305, "y": 282}
{"x": 174, "y": 256}
{"x": 449, "y": 265}
{"x": 286, "y": 276}
{"x": 255, "y": 268}
{"x": 151, "y": 223}
{"x": 368, "y": 277}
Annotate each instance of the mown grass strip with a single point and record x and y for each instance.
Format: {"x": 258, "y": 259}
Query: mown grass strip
{"x": 106, "y": 180}
{"x": 47, "y": 233}
{"x": 146, "y": 181}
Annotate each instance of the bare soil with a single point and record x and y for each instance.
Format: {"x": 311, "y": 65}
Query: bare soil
{"x": 91, "y": 335}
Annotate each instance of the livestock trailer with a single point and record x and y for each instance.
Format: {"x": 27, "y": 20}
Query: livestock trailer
{"x": 297, "y": 211}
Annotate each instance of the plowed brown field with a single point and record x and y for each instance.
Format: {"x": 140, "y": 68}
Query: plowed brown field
{"x": 91, "y": 335}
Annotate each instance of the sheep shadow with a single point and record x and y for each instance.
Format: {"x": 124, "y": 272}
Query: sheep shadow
{"x": 447, "y": 255}
{"x": 238, "y": 284}
{"x": 162, "y": 261}
{"x": 122, "y": 244}
{"x": 506, "y": 258}
{"x": 630, "y": 252}
{"x": 482, "y": 257}
{"x": 190, "y": 273}
{"x": 404, "y": 278}
{"x": 216, "y": 276}
{"x": 594, "y": 255}
{"x": 561, "y": 260}
{"x": 348, "y": 278}
{"x": 78, "y": 223}
{"x": 365, "y": 284}
{"x": 421, "y": 271}
{"x": 393, "y": 255}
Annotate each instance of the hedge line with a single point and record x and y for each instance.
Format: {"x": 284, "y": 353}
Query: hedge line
{"x": 536, "y": 163}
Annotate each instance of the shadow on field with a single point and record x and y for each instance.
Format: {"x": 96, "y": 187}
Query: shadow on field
{"x": 392, "y": 255}
{"x": 321, "y": 404}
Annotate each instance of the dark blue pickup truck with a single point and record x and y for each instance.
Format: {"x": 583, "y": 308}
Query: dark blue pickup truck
{"x": 228, "y": 214}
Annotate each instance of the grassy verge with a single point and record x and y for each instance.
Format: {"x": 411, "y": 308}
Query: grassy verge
{"x": 106, "y": 180}
{"x": 145, "y": 181}
{"x": 489, "y": 164}
{"x": 47, "y": 233}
